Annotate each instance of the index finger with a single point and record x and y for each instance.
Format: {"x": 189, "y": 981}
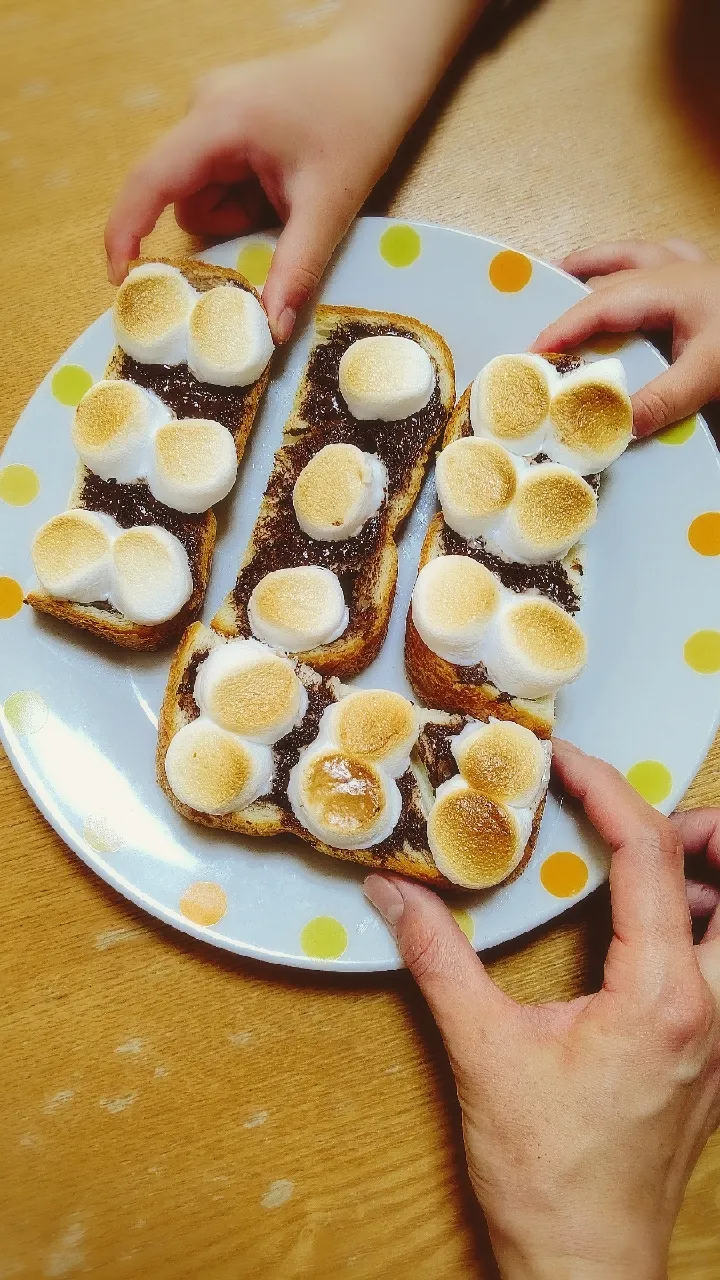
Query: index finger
{"x": 635, "y": 302}
{"x": 647, "y": 880}
{"x": 179, "y": 164}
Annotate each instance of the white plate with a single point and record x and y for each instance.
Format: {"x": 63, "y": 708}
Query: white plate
{"x": 87, "y": 760}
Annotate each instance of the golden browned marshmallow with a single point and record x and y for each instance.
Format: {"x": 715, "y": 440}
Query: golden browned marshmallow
{"x": 215, "y": 772}
{"x": 591, "y": 416}
{"x": 150, "y": 314}
{"x": 229, "y": 339}
{"x": 378, "y": 725}
{"x": 342, "y": 799}
{"x": 298, "y": 608}
{"x": 249, "y": 690}
{"x": 475, "y": 842}
{"x": 72, "y": 556}
{"x": 504, "y": 761}
{"x": 194, "y": 464}
{"x": 152, "y": 578}
{"x": 337, "y": 491}
{"x": 510, "y": 400}
{"x": 387, "y": 377}
{"x": 553, "y": 507}
{"x": 533, "y": 648}
{"x": 476, "y": 479}
{"x": 454, "y": 599}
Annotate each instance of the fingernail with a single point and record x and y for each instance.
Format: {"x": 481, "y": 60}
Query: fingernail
{"x": 386, "y": 897}
{"x": 285, "y": 324}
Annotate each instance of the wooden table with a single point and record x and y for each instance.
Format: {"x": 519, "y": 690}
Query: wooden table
{"x": 160, "y": 1098}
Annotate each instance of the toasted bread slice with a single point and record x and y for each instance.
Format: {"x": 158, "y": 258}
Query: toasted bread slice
{"x": 466, "y": 690}
{"x": 405, "y": 851}
{"x": 366, "y": 564}
{"x": 133, "y": 504}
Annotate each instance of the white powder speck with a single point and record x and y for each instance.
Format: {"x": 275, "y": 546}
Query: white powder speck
{"x": 58, "y": 1100}
{"x": 115, "y": 1105}
{"x": 111, "y": 937}
{"x": 17, "y": 162}
{"x": 131, "y": 1046}
{"x": 141, "y": 98}
{"x": 257, "y": 1119}
{"x": 66, "y": 1255}
{"x": 139, "y": 1224}
{"x": 160, "y": 1073}
{"x": 391, "y": 1071}
{"x": 29, "y": 1140}
{"x": 240, "y": 1037}
{"x": 277, "y": 1193}
{"x": 34, "y": 89}
{"x": 5, "y": 136}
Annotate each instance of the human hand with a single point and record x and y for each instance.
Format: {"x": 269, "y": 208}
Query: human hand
{"x": 638, "y": 285}
{"x": 583, "y": 1121}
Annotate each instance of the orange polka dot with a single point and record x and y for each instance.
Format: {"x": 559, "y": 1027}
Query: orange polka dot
{"x": 564, "y": 874}
{"x": 510, "y": 271}
{"x": 606, "y": 344}
{"x": 704, "y": 534}
{"x": 11, "y": 597}
{"x": 204, "y": 902}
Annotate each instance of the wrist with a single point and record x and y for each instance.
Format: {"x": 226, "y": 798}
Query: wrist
{"x": 566, "y": 1254}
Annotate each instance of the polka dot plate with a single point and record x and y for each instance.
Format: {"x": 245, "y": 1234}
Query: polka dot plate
{"x": 79, "y": 717}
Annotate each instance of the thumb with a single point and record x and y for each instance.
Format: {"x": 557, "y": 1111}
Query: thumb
{"x": 463, "y": 998}
{"x": 691, "y": 382}
{"x": 315, "y": 226}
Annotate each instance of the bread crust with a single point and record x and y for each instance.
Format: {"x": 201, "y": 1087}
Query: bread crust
{"x": 107, "y": 624}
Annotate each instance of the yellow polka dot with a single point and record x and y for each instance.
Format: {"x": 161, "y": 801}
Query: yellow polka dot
{"x": 702, "y": 652}
{"x": 254, "y": 261}
{"x": 466, "y": 922}
{"x": 510, "y": 271}
{"x": 564, "y": 874}
{"x": 678, "y": 433}
{"x": 18, "y": 485}
{"x": 70, "y": 383}
{"x": 651, "y": 779}
{"x": 324, "y": 938}
{"x": 11, "y": 597}
{"x": 400, "y": 246}
{"x": 704, "y": 534}
{"x": 25, "y": 712}
{"x": 204, "y": 902}
{"x": 101, "y": 835}
{"x": 606, "y": 344}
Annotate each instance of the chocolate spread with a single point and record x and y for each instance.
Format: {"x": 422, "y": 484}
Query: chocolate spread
{"x": 133, "y": 504}
{"x": 181, "y": 391}
{"x": 551, "y": 580}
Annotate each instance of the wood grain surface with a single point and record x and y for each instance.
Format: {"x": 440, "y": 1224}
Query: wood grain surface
{"x": 169, "y": 1111}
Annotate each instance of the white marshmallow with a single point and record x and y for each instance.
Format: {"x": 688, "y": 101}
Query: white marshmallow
{"x": 113, "y": 426}
{"x": 533, "y": 647}
{"x": 453, "y": 603}
{"x": 193, "y": 464}
{"x": 590, "y": 417}
{"x": 337, "y": 491}
{"x": 152, "y": 578}
{"x": 229, "y": 339}
{"x": 216, "y": 772}
{"x": 504, "y": 761}
{"x": 510, "y": 401}
{"x": 343, "y": 800}
{"x": 475, "y": 842}
{"x": 150, "y": 314}
{"x": 72, "y": 556}
{"x": 250, "y": 690}
{"x": 299, "y": 608}
{"x": 386, "y": 378}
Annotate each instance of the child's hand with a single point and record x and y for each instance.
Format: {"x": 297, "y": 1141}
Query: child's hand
{"x": 307, "y": 133}
{"x": 646, "y": 286}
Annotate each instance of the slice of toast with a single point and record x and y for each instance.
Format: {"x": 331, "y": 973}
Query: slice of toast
{"x": 133, "y": 504}
{"x": 405, "y": 851}
{"x": 466, "y": 690}
{"x": 367, "y": 563}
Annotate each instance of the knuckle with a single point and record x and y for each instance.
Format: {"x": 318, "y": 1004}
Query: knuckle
{"x": 686, "y": 1017}
{"x": 424, "y": 955}
{"x": 657, "y": 407}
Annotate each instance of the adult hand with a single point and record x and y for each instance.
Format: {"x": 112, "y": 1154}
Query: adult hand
{"x": 583, "y": 1121}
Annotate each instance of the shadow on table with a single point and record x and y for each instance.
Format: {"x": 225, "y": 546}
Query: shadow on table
{"x": 692, "y": 49}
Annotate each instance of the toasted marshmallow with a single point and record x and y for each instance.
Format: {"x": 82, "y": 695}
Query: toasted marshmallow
{"x": 504, "y": 761}
{"x": 342, "y": 799}
{"x": 510, "y": 401}
{"x": 553, "y": 507}
{"x": 151, "y": 575}
{"x": 112, "y": 428}
{"x": 229, "y": 339}
{"x": 72, "y": 556}
{"x": 533, "y": 647}
{"x": 150, "y": 314}
{"x": 476, "y": 480}
{"x": 337, "y": 491}
{"x": 453, "y": 603}
{"x": 194, "y": 464}
{"x": 298, "y": 609}
{"x": 375, "y": 724}
{"x": 215, "y": 772}
{"x": 591, "y": 417}
{"x": 475, "y": 841}
{"x": 249, "y": 690}
{"x": 386, "y": 378}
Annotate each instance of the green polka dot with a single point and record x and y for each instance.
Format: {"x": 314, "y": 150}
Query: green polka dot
{"x": 466, "y": 922}
{"x": 400, "y": 246}
{"x": 254, "y": 261}
{"x": 324, "y": 938}
{"x": 25, "y": 712}
{"x": 678, "y": 433}
{"x": 651, "y": 779}
{"x": 702, "y": 652}
{"x": 70, "y": 383}
{"x": 19, "y": 485}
